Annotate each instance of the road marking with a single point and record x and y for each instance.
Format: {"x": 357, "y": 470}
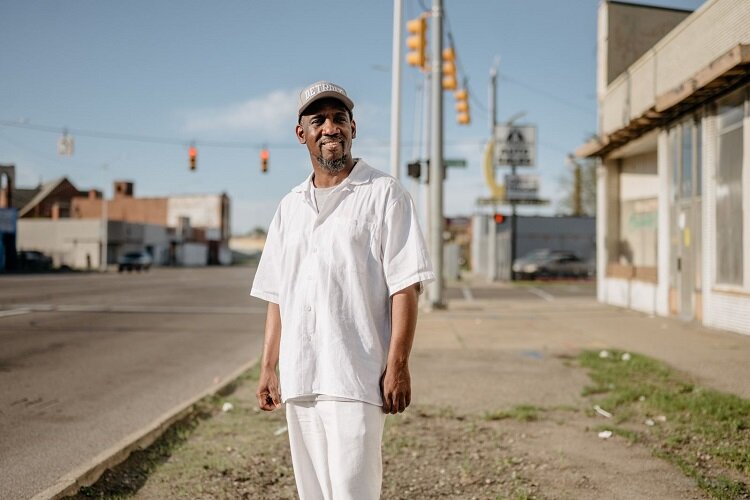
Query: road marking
{"x": 27, "y": 308}
{"x": 467, "y": 293}
{"x": 13, "y": 312}
{"x": 542, "y": 294}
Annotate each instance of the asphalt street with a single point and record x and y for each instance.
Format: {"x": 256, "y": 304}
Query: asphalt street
{"x": 88, "y": 359}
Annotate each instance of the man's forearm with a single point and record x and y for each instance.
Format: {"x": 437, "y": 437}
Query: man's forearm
{"x": 403, "y": 324}
{"x": 272, "y": 338}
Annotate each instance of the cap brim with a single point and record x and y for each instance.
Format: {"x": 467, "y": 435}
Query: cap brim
{"x": 330, "y": 94}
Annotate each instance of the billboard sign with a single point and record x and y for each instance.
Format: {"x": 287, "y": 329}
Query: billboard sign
{"x": 515, "y": 145}
{"x": 521, "y": 187}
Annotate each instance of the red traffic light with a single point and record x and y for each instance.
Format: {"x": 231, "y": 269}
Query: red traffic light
{"x": 499, "y": 218}
{"x": 193, "y": 156}
{"x": 264, "y": 160}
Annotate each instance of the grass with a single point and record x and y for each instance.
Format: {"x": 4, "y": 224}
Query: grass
{"x": 704, "y": 432}
{"x": 522, "y": 413}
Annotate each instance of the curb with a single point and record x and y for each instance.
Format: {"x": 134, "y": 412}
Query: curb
{"x": 88, "y": 473}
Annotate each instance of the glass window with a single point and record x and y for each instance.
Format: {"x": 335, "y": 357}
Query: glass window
{"x": 674, "y": 159}
{"x": 686, "y": 184}
{"x": 698, "y": 158}
{"x": 729, "y": 216}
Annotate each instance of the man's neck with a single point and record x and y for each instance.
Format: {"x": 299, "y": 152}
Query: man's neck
{"x": 322, "y": 178}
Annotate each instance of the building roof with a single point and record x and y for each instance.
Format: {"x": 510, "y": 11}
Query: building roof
{"x": 42, "y": 192}
{"x": 21, "y": 196}
{"x": 727, "y": 72}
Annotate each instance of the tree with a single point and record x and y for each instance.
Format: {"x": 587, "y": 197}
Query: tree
{"x": 581, "y": 200}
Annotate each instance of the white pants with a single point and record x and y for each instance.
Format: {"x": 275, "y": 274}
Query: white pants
{"x": 336, "y": 450}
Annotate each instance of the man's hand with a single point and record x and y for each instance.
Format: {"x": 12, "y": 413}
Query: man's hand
{"x": 396, "y": 384}
{"x": 268, "y": 394}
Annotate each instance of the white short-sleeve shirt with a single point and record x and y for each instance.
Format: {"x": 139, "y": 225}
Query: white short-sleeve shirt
{"x": 333, "y": 274}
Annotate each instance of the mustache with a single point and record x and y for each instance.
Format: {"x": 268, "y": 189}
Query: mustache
{"x": 335, "y": 138}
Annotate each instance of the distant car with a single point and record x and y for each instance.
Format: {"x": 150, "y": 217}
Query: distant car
{"x": 32, "y": 260}
{"x": 545, "y": 263}
{"x": 134, "y": 261}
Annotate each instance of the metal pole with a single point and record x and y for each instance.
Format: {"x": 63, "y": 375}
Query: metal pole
{"x": 492, "y": 247}
{"x": 426, "y": 154}
{"x": 396, "y": 90}
{"x": 436, "y": 157}
{"x": 105, "y": 234}
{"x": 513, "y": 228}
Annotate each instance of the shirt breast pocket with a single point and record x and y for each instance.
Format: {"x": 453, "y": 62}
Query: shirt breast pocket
{"x": 352, "y": 242}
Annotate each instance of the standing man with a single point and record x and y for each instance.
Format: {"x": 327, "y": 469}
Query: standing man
{"x": 341, "y": 270}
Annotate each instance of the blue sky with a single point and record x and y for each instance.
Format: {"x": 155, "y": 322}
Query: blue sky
{"x": 230, "y": 71}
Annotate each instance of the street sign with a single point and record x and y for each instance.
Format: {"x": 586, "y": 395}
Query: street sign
{"x": 515, "y": 145}
{"x": 455, "y": 162}
{"x": 521, "y": 187}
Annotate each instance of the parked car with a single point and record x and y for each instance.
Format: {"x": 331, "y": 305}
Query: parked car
{"x": 134, "y": 261}
{"x": 544, "y": 263}
{"x": 32, "y": 260}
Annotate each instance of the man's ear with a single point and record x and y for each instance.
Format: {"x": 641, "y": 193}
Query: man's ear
{"x": 300, "y": 131}
{"x": 354, "y": 129}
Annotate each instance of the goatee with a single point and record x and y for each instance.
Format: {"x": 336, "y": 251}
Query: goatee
{"x": 333, "y": 166}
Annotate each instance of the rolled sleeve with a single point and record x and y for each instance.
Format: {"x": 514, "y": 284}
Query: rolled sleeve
{"x": 266, "y": 283}
{"x": 405, "y": 257}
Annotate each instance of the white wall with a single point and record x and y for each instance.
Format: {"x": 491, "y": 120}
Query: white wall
{"x": 68, "y": 241}
{"x": 202, "y": 210}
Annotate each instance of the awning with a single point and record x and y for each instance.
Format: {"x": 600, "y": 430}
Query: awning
{"x": 732, "y": 68}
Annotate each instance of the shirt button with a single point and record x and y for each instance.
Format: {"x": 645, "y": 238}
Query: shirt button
{"x": 308, "y": 308}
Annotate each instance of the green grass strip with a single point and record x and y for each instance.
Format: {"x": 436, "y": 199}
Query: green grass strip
{"x": 706, "y": 433}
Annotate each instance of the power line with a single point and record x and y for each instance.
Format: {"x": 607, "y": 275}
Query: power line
{"x": 118, "y": 136}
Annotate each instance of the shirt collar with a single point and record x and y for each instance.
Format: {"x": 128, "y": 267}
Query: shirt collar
{"x": 360, "y": 174}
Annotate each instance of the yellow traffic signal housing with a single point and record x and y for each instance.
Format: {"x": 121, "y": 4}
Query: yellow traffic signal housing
{"x": 417, "y": 42}
{"x": 449, "y": 69}
{"x": 462, "y": 107}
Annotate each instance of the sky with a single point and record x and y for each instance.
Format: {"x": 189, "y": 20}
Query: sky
{"x": 137, "y": 82}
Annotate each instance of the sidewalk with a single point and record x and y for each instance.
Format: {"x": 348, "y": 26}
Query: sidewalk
{"x": 497, "y": 350}
{"x": 485, "y": 355}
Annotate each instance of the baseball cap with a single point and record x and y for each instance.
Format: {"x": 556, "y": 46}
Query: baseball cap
{"x": 321, "y": 90}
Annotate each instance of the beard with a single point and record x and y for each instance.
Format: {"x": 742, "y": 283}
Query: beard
{"x": 336, "y": 165}
{"x": 333, "y": 166}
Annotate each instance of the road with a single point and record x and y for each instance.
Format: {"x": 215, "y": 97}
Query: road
{"x": 88, "y": 359}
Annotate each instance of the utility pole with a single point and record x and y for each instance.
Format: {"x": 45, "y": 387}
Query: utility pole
{"x": 396, "y": 90}
{"x": 492, "y": 247}
{"x": 436, "y": 157}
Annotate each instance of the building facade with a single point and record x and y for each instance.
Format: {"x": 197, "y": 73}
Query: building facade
{"x": 673, "y": 203}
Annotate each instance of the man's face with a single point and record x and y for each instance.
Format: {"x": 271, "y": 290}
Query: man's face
{"x": 328, "y": 131}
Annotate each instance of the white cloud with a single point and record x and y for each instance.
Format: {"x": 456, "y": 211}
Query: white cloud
{"x": 271, "y": 115}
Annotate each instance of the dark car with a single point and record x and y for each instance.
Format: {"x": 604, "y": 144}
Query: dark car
{"x": 134, "y": 261}
{"x": 32, "y": 260}
{"x": 546, "y": 263}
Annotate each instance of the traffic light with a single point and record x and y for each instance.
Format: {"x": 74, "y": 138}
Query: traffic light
{"x": 193, "y": 157}
{"x": 414, "y": 169}
{"x": 416, "y": 41}
{"x": 264, "y": 160}
{"x": 499, "y": 218}
{"x": 449, "y": 69}
{"x": 462, "y": 107}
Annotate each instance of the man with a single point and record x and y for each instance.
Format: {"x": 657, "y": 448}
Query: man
{"x": 341, "y": 270}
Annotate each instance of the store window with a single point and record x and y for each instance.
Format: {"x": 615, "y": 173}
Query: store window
{"x": 686, "y": 181}
{"x": 729, "y": 216}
